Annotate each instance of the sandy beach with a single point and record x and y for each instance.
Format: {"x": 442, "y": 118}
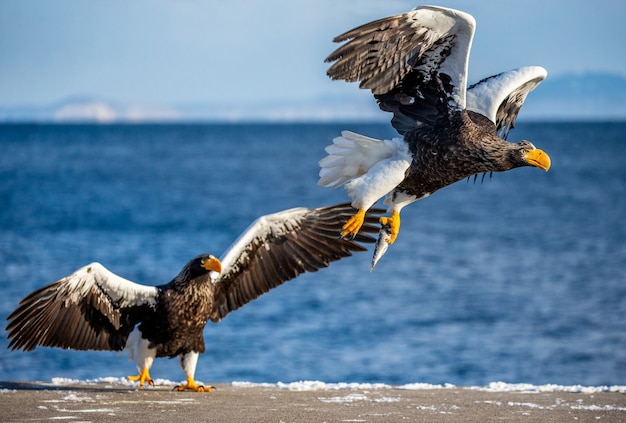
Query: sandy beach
{"x": 104, "y": 402}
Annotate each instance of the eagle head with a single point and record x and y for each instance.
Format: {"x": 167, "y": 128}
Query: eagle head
{"x": 528, "y": 155}
{"x": 201, "y": 265}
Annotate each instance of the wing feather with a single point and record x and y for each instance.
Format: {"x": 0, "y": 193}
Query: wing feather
{"x": 500, "y": 97}
{"x": 281, "y": 246}
{"x": 414, "y": 63}
{"x": 91, "y": 309}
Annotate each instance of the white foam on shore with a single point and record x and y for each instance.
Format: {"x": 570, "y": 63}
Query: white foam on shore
{"x": 313, "y": 385}
{"x": 316, "y": 385}
{"x": 527, "y": 387}
{"x": 492, "y": 387}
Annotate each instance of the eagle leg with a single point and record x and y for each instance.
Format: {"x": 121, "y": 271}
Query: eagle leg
{"x": 352, "y": 227}
{"x": 392, "y": 223}
{"x": 193, "y": 386}
{"x": 142, "y": 377}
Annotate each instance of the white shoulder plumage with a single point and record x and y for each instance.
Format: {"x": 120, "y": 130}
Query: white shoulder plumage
{"x": 84, "y": 310}
{"x": 500, "y": 97}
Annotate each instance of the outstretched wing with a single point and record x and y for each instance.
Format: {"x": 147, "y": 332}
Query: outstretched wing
{"x": 414, "y": 63}
{"x": 91, "y": 309}
{"x": 500, "y": 97}
{"x": 280, "y": 246}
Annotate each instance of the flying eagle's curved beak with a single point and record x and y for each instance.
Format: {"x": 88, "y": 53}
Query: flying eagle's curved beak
{"x": 538, "y": 158}
{"x": 212, "y": 264}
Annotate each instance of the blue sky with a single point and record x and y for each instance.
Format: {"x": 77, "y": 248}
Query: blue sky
{"x": 173, "y": 52}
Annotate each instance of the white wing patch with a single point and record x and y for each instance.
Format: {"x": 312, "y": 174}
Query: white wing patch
{"x": 486, "y": 96}
{"x": 121, "y": 292}
{"x": 274, "y": 224}
{"x": 84, "y": 311}
{"x": 443, "y": 22}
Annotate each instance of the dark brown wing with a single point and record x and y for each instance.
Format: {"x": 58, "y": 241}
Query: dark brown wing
{"x": 414, "y": 63}
{"x": 91, "y": 309}
{"x": 281, "y": 246}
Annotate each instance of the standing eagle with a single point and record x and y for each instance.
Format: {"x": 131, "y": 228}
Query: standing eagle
{"x": 415, "y": 64}
{"x": 94, "y": 309}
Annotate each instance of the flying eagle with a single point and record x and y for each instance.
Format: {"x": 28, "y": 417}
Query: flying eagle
{"x": 415, "y": 64}
{"x": 95, "y": 309}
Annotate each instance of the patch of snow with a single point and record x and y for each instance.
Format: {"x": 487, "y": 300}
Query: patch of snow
{"x": 387, "y": 399}
{"x": 72, "y": 396}
{"x": 598, "y": 407}
{"x": 87, "y": 410}
{"x": 62, "y": 381}
{"x": 345, "y": 399}
{"x": 525, "y": 404}
{"x": 313, "y": 385}
{"x": 419, "y": 386}
{"x": 527, "y": 387}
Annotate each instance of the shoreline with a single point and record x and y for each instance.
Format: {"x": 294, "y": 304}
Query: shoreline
{"x": 242, "y": 402}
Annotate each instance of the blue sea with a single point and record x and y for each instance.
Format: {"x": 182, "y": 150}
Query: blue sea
{"x": 520, "y": 278}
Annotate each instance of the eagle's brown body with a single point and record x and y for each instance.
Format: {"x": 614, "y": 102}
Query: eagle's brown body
{"x": 94, "y": 309}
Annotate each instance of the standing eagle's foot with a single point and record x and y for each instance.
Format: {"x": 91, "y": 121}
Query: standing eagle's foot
{"x": 193, "y": 386}
{"x": 142, "y": 377}
{"x": 352, "y": 227}
{"x": 392, "y": 225}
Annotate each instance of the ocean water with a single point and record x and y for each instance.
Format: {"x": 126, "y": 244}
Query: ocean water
{"x": 520, "y": 278}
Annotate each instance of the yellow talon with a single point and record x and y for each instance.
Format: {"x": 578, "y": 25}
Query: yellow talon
{"x": 193, "y": 386}
{"x": 352, "y": 227}
{"x": 393, "y": 223}
{"x": 142, "y": 377}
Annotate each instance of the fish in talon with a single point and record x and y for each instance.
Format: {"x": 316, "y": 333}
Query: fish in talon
{"x": 382, "y": 244}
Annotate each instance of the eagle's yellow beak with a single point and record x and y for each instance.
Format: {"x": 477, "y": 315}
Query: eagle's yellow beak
{"x": 212, "y": 264}
{"x": 538, "y": 158}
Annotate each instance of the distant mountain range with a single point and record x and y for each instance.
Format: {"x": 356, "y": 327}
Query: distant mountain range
{"x": 594, "y": 96}
{"x": 589, "y": 96}
{"x": 87, "y": 109}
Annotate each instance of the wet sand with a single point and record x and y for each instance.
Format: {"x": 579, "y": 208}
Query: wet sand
{"x": 106, "y": 402}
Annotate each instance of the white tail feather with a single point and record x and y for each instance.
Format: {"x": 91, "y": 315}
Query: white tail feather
{"x": 352, "y": 155}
